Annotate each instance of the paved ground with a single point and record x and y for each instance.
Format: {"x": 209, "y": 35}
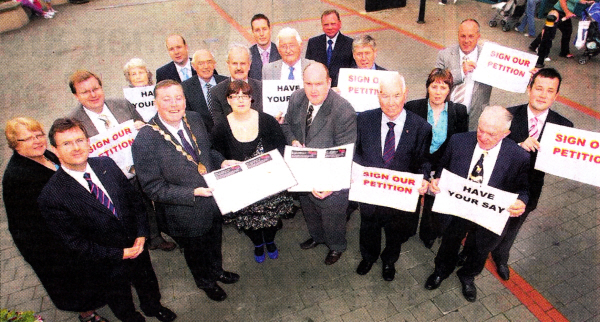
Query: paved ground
{"x": 557, "y": 252}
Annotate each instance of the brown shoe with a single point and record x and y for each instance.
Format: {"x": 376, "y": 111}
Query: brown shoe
{"x": 332, "y": 257}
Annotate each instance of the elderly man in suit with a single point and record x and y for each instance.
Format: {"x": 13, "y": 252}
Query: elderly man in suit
{"x": 264, "y": 51}
{"x": 179, "y": 69}
{"x": 171, "y": 154}
{"x": 392, "y": 138}
{"x": 238, "y": 62}
{"x": 98, "y": 216}
{"x": 197, "y": 89}
{"x": 364, "y": 51}
{"x": 317, "y": 117}
{"x": 331, "y": 49}
{"x": 461, "y": 60}
{"x": 290, "y": 66}
{"x": 490, "y": 158}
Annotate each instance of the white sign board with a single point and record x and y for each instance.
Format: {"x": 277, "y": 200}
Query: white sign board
{"x": 142, "y": 99}
{"x": 360, "y": 87}
{"x": 116, "y": 143}
{"x": 276, "y": 95}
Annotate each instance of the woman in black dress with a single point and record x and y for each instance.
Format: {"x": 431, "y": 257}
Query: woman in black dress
{"x": 26, "y": 174}
{"x": 244, "y": 134}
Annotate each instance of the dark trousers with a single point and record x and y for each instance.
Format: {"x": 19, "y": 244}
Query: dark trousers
{"x": 433, "y": 224}
{"x": 155, "y": 236}
{"x": 139, "y": 273}
{"x": 565, "y": 27}
{"x": 398, "y": 226}
{"x": 203, "y": 255}
{"x": 262, "y": 235}
{"x": 326, "y": 219}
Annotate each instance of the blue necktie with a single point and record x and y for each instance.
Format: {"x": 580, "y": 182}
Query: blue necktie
{"x": 100, "y": 195}
{"x": 185, "y": 73}
{"x": 291, "y": 75}
{"x": 390, "y": 144}
{"x": 329, "y": 51}
{"x": 186, "y": 146}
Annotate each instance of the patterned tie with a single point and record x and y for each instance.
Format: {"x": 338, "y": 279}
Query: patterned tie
{"x": 309, "y": 117}
{"x": 209, "y": 101}
{"x": 389, "y": 147}
{"x": 187, "y": 146}
{"x": 477, "y": 173}
{"x": 329, "y": 51}
{"x": 106, "y": 121}
{"x": 185, "y": 73}
{"x": 534, "y": 131}
{"x": 265, "y": 57}
{"x": 291, "y": 75}
{"x": 100, "y": 195}
{"x": 460, "y": 89}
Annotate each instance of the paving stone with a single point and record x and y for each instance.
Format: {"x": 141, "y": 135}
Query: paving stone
{"x": 381, "y": 309}
{"x": 451, "y": 317}
{"x": 496, "y": 303}
{"x": 448, "y": 302}
{"x": 359, "y": 315}
{"x": 576, "y": 311}
{"x": 520, "y": 314}
{"x": 402, "y": 316}
{"x": 425, "y": 311}
{"x": 475, "y": 312}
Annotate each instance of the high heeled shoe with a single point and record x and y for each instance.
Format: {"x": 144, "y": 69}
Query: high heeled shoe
{"x": 273, "y": 253}
{"x": 259, "y": 253}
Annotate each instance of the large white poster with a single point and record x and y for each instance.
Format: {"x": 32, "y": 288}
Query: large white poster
{"x": 361, "y": 86}
{"x": 276, "y": 95}
{"x": 116, "y": 143}
{"x": 142, "y": 99}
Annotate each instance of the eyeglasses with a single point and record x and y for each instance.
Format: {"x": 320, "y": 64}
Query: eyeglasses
{"x": 39, "y": 137}
{"x": 240, "y": 96}
{"x": 71, "y": 144}
{"x": 90, "y": 91}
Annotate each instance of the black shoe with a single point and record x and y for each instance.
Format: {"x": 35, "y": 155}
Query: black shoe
{"x": 388, "y": 272}
{"x": 228, "y": 277}
{"x": 215, "y": 293}
{"x": 469, "y": 291}
{"x": 309, "y": 243}
{"x": 363, "y": 267}
{"x": 332, "y": 257}
{"x": 433, "y": 281}
{"x": 164, "y": 315}
{"x": 503, "y": 271}
{"x": 462, "y": 257}
{"x": 428, "y": 242}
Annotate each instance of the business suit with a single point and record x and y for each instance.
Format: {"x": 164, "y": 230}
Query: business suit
{"x": 169, "y": 71}
{"x": 410, "y": 156}
{"x": 433, "y": 224}
{"x": 333, "y": 125}
{"x": 519, "y": 132}
{"x": 272, "y": 71}
{"x": 169, "y": 179}
{"x": 256, "y": 66}
{"x": 120, "y": 108}
{"x": 449, "y": 58}
{"x": 95, "y": 238}
{"x": 341, "y": 57}
{"x": 219, "y": 98}
{"x": 195, "y": 100}
{"x": 509, "y": 174}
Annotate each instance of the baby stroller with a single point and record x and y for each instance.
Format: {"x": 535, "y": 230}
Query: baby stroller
{"x": 592, "y": 39}
{"x": 509, "y": 15}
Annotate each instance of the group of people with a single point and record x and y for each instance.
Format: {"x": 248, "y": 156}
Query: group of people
{"x": 88, "y": 236}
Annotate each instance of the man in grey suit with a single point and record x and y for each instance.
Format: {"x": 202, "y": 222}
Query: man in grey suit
{"x": 317, "y": 117}
{"x": 238, "y": 62}
{"x": 171, "y": 154}
{"x": 197, "y": 88}
{"x": 264, "y": 51}
{"x": 289, "y": 67}
{"x": 461, "y": 60}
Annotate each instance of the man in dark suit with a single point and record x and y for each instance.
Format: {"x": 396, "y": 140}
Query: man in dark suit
{"x": 264, "y": 51}
{"x": 527, "y": 128}
{"x": 317, "y": 117}
{"x": 197, "y": 89}
{"x": 461, "y": 60}
{"x": 238, "y": 62}
{"x": 364, "y": 52}
{"x": 97, "y": 215}
{"x": 98, "y": 115}
{"x": 171, "y": 154}
{"x": 392, "y": 138}
{"x": 179, "y": 69}
{"x": 487, "y": 157}
{"x": 331, "y": 49}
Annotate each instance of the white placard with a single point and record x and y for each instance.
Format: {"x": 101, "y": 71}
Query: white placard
{"x": 116, "y": 143}
{"x": 383, "y": 187}
{"x": 360, "y": 87}
{"x": 570, "y": 153}
{"x": 504, "y": 67}
{"x": 320, "y": 169}
{"x": 243, "y": 184}
{"x": 276, "y": 95}
{"x": 483, "y": 205}
{"x": 142, "y": 99}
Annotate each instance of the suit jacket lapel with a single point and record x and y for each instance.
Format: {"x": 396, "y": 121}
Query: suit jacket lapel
{"x": 108, "y": 184}
{"x": 320, "y": 119}
{"x": 75, "y": 191}
{"x": 501, "y": 167}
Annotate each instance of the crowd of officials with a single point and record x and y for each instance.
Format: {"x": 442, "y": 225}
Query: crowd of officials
{"x": 85, "y": 225}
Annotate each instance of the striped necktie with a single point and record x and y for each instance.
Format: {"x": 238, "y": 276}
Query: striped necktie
{"x": 389, "y": 148}
{"x": 99, "y": 194}
{"x": 534, "y": 130}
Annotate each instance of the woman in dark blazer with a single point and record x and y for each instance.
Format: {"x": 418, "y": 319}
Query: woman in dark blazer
{"x": 446, "y": 118}
{"x": 26, "y": 174}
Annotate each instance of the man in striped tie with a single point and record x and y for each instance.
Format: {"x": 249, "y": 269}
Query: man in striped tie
{"x": 393, "y": 138}
{"x": 100, "y": 219}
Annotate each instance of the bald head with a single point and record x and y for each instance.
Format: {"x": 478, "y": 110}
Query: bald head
{"x": 178, "y": 49}
{"x": 204, "y": 64}
{"x": 392, "y": 95}
{"x": 494, "y": 125}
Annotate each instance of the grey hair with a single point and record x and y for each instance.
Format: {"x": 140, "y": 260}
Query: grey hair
{"x": 136, "y": 63}
{"x": 237, "y": 45}
{"x": 288, "y": 32}
{"x": 498, "y": 113}
{"x": 364, "y": 40}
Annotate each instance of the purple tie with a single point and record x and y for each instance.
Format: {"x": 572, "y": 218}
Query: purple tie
{"x": 390, "y": 144}
{"x": 265, "y": 57}
{"x": 100, "y": 195}
{"x": 186, "y": 146}
{"x": 534, "y": 132}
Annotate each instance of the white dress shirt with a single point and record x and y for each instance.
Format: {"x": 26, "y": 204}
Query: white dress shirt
{"x": 99, "y": 123}
{"x": 489, "y": 161}
{"x": 399, "y": 121}
{"x": 78, "y": 176}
